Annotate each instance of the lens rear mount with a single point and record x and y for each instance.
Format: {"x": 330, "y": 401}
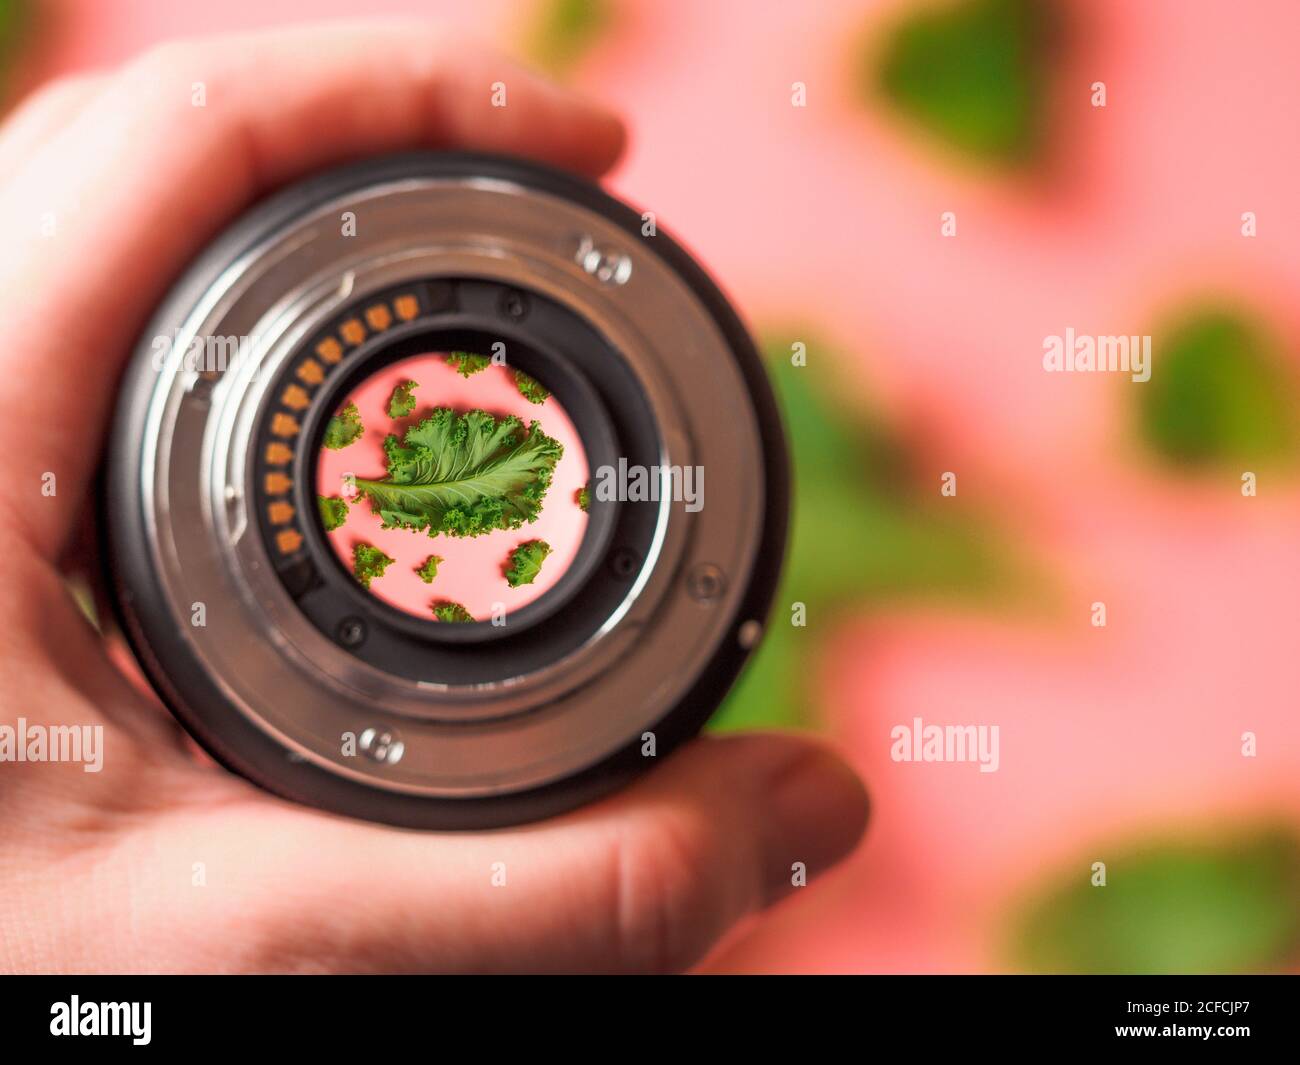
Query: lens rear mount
{"x": 310, "y": 687}
{"x": 578, "y": 368}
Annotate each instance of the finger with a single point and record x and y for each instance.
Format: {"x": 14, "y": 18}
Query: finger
{"x": 55, "y": 670}
{"x": 108, "y": 211}
{"x": 42, "y": 114}
{"x": 645, "y": 881}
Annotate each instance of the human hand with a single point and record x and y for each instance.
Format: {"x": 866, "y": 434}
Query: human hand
{"x": 110, "y": 184}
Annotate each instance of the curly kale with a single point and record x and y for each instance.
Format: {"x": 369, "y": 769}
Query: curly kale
{"x": 529, "y": 388}
{"x": 333, "y": 511}
{"x": 402, "y": 401}
{"x": 463, "y": 474}
{"x": 467, "y": 363}
{"x": 449, "y": 611}
{"x": 526, "y": 562}
{"x": 368, "y": 563}
{"x": 430, "y": 569}
{"x": 344, "y": 428}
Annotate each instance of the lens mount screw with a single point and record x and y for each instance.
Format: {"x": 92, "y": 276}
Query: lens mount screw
{"x": 606, "y": 265}
{"x": 514, "y": 304}
{"x": 382, "y": 745}
{"x": 705, "y": 582}
{"x": 624, "y": 562}
{"x": 352, "y": 632}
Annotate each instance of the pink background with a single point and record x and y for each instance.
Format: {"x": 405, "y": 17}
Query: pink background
{"x": 827, "y": 219}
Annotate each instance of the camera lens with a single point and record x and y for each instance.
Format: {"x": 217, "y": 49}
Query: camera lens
{"x": 445, "y": 491}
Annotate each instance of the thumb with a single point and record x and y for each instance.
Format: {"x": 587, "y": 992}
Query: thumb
{"x": 718, "y": 833}
{"x": 644, "y": 881}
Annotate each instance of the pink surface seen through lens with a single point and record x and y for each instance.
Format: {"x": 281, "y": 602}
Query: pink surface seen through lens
{"x": 472, "y": 571}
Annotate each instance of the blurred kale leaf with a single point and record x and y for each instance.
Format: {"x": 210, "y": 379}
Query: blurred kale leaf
{"x": 973, "y": 73}
{"x": 862, "y": 534}
{"x": 562, "y": 32}
{"x": 16, "y": 23}
{"x": 1219, "y": 392}
{"x": 1221, "y": 904}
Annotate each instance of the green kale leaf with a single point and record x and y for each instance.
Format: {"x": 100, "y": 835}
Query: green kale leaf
{"x": 526, "y": 562}
{"x": 1223, "y": 394}
{"x": 430, "y": 569}
{"x": 464, "y": 474}
{"x": 564, "y": 31}
{"x": 1181, "y": 900}
{"x": 368, "y": 563}
{"x": 449, "y": 611}
{"x": 467, "y": 364}
{"x": 529, "y": 388}
{"x": 975, "y": 73}
{"x": 583, "y": 497}
{"x": 402, "y": 401}
{"x": 333, "y": 511}
{"x": 344, "y": 428}
{"x": 19, "y": 24}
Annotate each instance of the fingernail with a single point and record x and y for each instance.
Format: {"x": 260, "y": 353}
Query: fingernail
{"x": 817, "y": 812}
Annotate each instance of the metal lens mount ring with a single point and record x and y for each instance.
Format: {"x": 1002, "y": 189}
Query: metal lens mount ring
{"x": 294, "y": 678}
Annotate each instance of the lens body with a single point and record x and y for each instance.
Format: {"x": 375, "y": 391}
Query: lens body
{"x": 341, "y": 441}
